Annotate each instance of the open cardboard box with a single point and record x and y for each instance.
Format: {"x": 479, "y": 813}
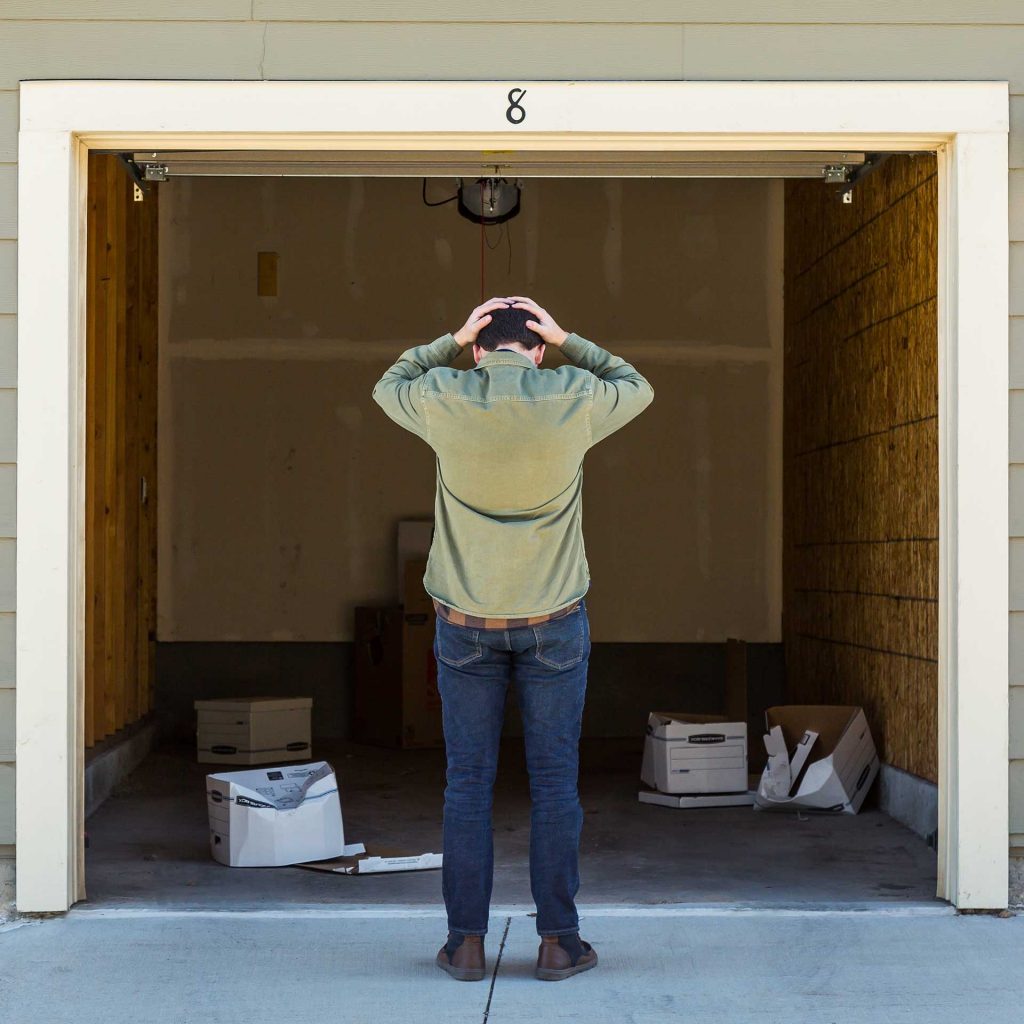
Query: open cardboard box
{"x": 291, "y": 815}
{"x": 270, "y": 817}
{"x": 833, "y": 752}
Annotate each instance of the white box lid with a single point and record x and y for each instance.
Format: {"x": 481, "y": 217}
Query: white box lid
{"x": 671, "y": 725}
{"x": 253, "y": 704}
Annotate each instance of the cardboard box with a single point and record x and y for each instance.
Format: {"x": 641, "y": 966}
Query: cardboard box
{"x": 694, "y": 754}
{"x": 415, "y": 599}
{"x": 269, "y": 817}
{"x": 839, "y": 758}
{"x": 357, "y": 860}
{"x": 420, "y": 697}
{"x": 414, "y": 539}
{"x": 253, "y": 730}
{"x": 396, "y": 702}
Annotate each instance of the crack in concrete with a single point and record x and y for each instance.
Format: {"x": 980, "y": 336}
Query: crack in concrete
{"x": 497, "y": 964}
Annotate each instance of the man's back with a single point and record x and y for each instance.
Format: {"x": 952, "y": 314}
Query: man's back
{"x": 508, "y": 436}
{"x": 510, "y": 439}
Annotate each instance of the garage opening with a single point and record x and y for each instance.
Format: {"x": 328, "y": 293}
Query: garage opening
{"x": 766, "y": 532}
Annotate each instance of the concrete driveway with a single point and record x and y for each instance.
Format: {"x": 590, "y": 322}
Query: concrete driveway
{"x": 357, "y": 966}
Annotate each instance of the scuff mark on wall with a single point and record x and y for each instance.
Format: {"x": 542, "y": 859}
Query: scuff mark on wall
{"x": 612, "y": 247}
{"x": 699, "y": 415}
{"x": 443, "y": 252}
{"x": 354, "y": 270}
{"x": 531, "y": 237}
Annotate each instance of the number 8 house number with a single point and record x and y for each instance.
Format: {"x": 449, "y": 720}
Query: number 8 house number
{"x": 515, "y": 113}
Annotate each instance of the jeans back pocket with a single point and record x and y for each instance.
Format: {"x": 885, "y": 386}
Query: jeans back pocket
{"x": 561, "y": 643}
{"x": 456, "y": 645}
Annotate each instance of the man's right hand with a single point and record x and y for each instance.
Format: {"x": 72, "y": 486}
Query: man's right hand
{"x": 544, "y": 325}
{"x": 478, "y": 319}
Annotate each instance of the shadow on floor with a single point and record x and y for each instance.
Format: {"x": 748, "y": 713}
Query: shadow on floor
{"x": 148, "y": 844}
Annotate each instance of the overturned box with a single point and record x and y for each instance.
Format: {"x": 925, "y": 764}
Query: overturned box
{"x": 694, "y": 754}
{"x": 833, "y": 762}
{"x": 689, "y": 801}
{"x": 253, "y": 730}
{"x": 275, "y": 816}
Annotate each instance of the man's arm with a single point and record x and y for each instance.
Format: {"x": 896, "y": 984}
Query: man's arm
{"x": 620, "y": 392}
{"x": 400, "y": 391}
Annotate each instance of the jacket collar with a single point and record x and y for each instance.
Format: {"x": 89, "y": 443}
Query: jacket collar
{"x": 507, "y": 357}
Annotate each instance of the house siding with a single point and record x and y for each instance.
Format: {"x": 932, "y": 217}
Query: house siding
{"x": 539, "y": 39}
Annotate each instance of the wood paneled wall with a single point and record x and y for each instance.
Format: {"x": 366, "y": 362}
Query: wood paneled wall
{"x": 121, "y": 397}
{"x": 861, "y": 454}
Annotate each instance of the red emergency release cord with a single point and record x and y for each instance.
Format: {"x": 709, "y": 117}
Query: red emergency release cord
{"x": 481, "y": 258}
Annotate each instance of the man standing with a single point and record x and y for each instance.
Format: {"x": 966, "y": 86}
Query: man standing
{"x": 507, "y": 573}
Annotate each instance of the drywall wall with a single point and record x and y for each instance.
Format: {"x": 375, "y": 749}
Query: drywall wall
{"x": 281, "y": 482}
{"x": 861, "y": 455}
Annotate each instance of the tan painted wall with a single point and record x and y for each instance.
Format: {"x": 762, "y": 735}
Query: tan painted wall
{"x": 281, "y": 482}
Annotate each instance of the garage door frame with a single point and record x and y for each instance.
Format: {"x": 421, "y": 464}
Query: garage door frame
{"x": 965, "y": 122}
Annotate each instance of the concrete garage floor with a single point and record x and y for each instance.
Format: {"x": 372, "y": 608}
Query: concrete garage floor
{"x": 148, "y": 843}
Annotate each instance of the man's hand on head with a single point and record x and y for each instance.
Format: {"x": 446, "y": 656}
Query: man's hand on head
{"x": 478, "y": 319}
{"x": 550, "y": 333}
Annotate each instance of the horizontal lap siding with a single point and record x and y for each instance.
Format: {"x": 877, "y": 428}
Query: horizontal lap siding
{"x": 854, "y": 52}
{"x": 470, "y": 50}
{"x": 954, "y": 12}
{"x": 605, "y": 39}
{"x": 8, "y": 447}
{"x": 861, "y": 454}
{"x": 465, "y": 51}
{"x": 94, "y": 49}
{"x": 240, "y": 50}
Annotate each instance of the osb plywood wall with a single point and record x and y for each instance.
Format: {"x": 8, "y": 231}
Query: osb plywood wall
{"x": 860, "y": 454}
{"x": 121, "y": 396}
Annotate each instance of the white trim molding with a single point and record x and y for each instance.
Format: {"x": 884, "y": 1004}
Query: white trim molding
{"x": 965, "y": 122}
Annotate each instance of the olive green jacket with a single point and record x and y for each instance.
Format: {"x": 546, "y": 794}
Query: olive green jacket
{"x": 510, "y": 439}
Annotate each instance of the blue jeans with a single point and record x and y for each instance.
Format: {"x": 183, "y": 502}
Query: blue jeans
{"x": 548, "y": 664}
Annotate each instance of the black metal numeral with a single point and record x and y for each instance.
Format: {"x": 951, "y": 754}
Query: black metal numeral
{"x": 515, "y": 113}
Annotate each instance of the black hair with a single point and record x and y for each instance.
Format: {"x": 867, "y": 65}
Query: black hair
{"x": 508, "y": 325}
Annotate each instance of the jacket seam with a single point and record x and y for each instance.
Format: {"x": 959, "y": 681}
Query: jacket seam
{"x": 510, "y": 398}
{"x": 426, "y": 416}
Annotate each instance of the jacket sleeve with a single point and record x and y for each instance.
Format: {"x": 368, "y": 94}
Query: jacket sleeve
{"x": 399, "y": 391}
{"x": 620, "y": 391}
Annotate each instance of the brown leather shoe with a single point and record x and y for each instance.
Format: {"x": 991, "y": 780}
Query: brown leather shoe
{"x": 467, "y": 962}
{"x": 554, "y": 963}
